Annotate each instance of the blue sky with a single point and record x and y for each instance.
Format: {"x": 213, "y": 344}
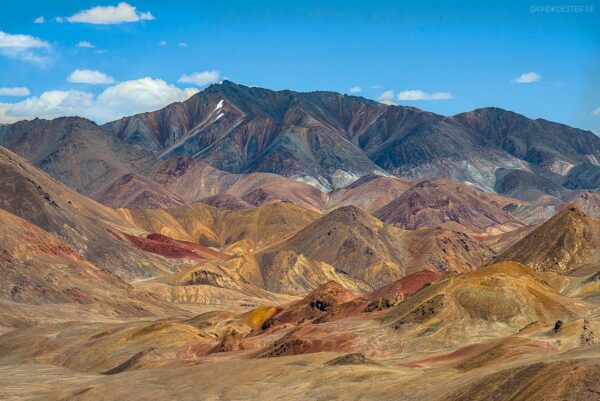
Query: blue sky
{"x": 444, "y": 56}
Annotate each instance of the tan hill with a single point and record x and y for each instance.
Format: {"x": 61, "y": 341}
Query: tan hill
{"x": 403, "y": 288}
{"x": 588, "y": 202}
{"x": 493, "y": 301}
{"x": 45, "y": 279}
{"x": 367, "y": 249}
{"x": 79, "y": 221}
{"x": 289, "y": 272}
{"x": 323, "y": 302}
{"x": 574, "y": 380}
{"x": 354, "y": 242}
{"x": 210, "y": 283}
{"x": 193, "y": 180}
{"x": 369, "y": 193}
{"x": 136, "y": 191}
{"x": 243, "y": 230}
{"x": 442, "y": 250}
{"x": 564, "y": 242}
{"x": 458, "y": 330}
{"x": 83, "y": 156}
{"x": 440, "y": 201}
{"x": 228, "y": 202}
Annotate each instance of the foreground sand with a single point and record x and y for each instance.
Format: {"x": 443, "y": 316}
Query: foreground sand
{"x": 293, "y": 378}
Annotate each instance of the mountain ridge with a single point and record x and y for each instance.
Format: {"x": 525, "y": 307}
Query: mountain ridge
{"x": 323, "y": 138}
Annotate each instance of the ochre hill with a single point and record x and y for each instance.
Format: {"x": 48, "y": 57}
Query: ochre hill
{"x": 79, "y": 221}
{"x": 564, "y": 242}
{"x": 45, "y": 280}
{"x": 367, "y": 249}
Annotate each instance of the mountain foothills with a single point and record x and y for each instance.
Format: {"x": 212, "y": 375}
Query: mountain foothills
{"x": 248, "y": 243}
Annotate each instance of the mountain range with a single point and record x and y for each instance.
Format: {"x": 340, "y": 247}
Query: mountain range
{"x": 325, "y": 139}
{"x": 251, "y": 243}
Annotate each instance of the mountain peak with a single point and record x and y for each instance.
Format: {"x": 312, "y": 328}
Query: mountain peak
{"x": 566, "y": 241}
{"x": 350, "y": 215}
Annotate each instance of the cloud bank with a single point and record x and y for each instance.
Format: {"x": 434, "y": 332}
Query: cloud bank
{"x": 417, "y": 94}
{"x": 15, "y": 91}
{"x": 23, "y": 47}
{"x": 116, "y": 101}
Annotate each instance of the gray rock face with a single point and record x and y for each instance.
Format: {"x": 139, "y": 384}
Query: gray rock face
{"x": 323, "y": 138}
{"x": 329, "y": 139}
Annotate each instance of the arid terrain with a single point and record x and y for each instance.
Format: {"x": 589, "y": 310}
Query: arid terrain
{"x": 276, "y": 245}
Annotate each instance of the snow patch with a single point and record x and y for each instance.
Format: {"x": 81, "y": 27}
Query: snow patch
{"x": 342, "y": 178}
{"x": 382, "y": 173}
{"x": 219, "y": 116}
{"x": 318, "y": 182}
{"x": 339, "y": 179}
{"x": 219, "y": 105}
{"x": 561, "y": 167}
{"x": 593, "y": 159}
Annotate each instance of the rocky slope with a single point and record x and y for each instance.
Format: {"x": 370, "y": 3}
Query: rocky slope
{"x": 193, "y": 181}
{"x": 566, "y": 241}
{"x": 327, "y": 139}
{"x": 258, "y": 266}
{"x": 439, "y": 201}
{"x": 44, "y": 279}
{"x": 83, "y": 156}
{"x": 242, "y": 230}
{"x": 323, "y": 138}
{"x": 473, "y": 305}
{"x": 369, "y": 193}
{"x": 80, "y": 222}
{"x": 367, "y": 249}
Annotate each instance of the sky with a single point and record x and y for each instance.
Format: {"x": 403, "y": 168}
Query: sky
{"x": 107, "y": 59}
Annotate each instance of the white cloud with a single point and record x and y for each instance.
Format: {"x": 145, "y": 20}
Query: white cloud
{"x": 92, "y": 77}
{"x": 387, "y": 97}
{"x": 8, "y": 40}
{"x": 527, "y": 78}
{"x": 39, "y": 20}
{"x": 376, "y": 86}
{"x": 123, "y": 99}
{"x": 4, "y": 118}
{"x": 123, "y": 12}
{"x": 162, "y": 43}
{"x": 15, "y": 91}
{"x": 60, "y": 20}
{"x": 417, "y": 94}
{"x": 144, "y": 94}
{"x": 23, "y": 47}
{"x": 201, "y": 78}
{"x": 182, "y": 44}
{"x": 596, "y": 112}
{"x": 355, "y": 89}
{"x": 86, "y": 44}
{"x": 52, "y": 104}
